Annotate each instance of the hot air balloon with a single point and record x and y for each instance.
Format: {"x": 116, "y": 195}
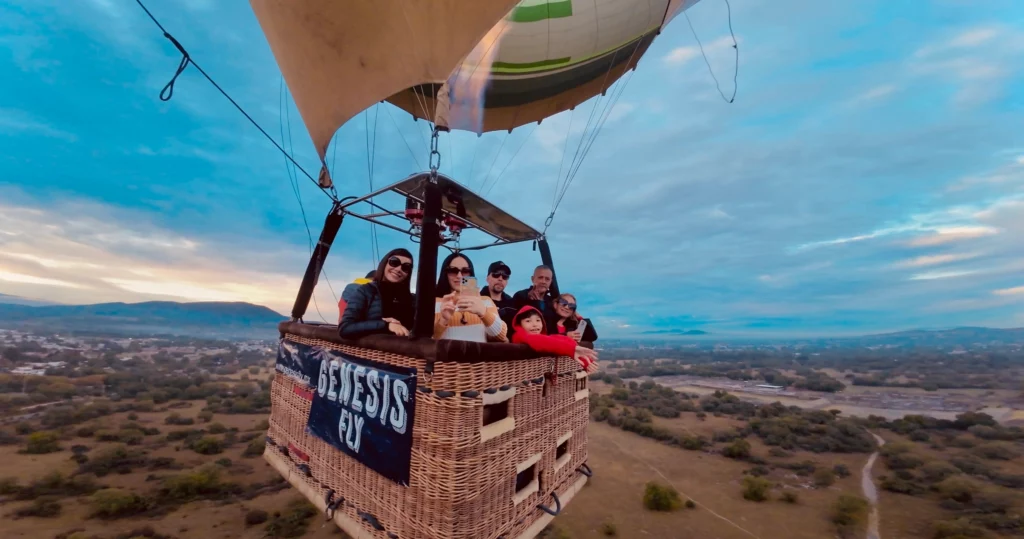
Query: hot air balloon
{"x": 413, "y": 437}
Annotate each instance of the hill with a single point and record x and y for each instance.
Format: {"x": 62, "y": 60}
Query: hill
{"x": 18, "y": 300}
{"x": 963, "y": 336}
{"x": 205, "y": 319}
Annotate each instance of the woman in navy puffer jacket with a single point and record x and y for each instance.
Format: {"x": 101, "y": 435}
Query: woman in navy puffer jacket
{"x": 383, "y": 305}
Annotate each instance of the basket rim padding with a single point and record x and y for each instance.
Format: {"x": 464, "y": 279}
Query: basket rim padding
{"x": 444, "y": 350}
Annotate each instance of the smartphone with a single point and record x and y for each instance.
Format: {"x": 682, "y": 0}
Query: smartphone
{"x": 582, "y": 327}
{"x": 469, "y": 287}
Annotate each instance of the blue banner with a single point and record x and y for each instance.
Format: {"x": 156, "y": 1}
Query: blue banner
{"x": 363, "y": 408}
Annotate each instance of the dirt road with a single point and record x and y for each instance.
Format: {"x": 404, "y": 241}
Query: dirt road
{"x": 867, "y": 484}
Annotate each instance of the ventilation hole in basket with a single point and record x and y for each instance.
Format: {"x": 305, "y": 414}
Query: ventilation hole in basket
{"x": 470, "y": 394}
{"x": 562, "y": 449}
{"x": 491, "y": 390}
{"x": 495, "y": 412}
{"x": 424, "y": 389}
{"x": 525, "y": 477}
{"x": 505, "y": 388}
{"x": 445, "y": 394}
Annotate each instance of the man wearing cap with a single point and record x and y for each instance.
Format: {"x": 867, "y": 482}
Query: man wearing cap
{"x": 498, "y": 274}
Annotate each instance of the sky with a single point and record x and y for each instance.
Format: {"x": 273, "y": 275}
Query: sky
{"x": 869, "y": 176}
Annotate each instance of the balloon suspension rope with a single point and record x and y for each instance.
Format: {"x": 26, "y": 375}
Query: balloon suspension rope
{"x": 168, "y": 92}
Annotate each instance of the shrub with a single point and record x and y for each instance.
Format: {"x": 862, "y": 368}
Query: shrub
{"x": 24, "y": 428}
{"x": 207, "y": 446}
{"x": 114, "y": 503}
{"x": 205, "y": 416}
{"x": 790, "y": 497}
{"x": 692, "y": 443}
{"x": 255, "y": 517}
{"x": 8, "y": 486}
{"x": 262, "y": 424}
{"x": 42, "y": 442}
{"x": 959, "y": 489}
{"x": 204, "y": 483}
{"x": 224, "y": 463}
{"x": 756, "y": 489}
{"x": 133, "y": 416}
{"x": 130, "y": 436}
{"x": 216, "y": 428}
{"x": 956, "y": 529}
{"x": 849, "y": 513}
{"x": 900, "y": 485}
{"x": 86, "y": 431}
{"x": 739, "y": 449}
{"x": 658, "y": 497}
{"x": 255, "y": 448}
{"x": 291, "y": 522}
{"x": 937, "y": 470}
{"x": 117, "y": 459}
{"x": 176, "y": 419}
{"x": 823, "y": 477}
{"x": 991, "y": 451}
{"x": 841, "y": 470}
{"x": 690, "y": 504}
{"x": 608, "y": 529}
{"x": 45, "y": 507}
{"x": 779, "y": 452}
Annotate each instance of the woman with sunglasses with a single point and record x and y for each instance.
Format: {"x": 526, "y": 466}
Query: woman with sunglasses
{"x": 463, "y": 314}
{"x": 384, "y": 304}
{"x": 567, "y": 320}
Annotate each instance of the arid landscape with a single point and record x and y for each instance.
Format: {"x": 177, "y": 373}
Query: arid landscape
{"x": 119, "y": 438}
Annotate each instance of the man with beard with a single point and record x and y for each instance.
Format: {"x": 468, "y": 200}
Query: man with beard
{"x": 498, "y": 274}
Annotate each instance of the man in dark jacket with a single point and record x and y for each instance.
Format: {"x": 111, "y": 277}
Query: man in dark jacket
{"x": 539, "y": 295}
{"x": 498, "y": 274}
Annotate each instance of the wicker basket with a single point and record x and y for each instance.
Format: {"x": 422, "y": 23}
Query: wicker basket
{"x": 466, "y": 480}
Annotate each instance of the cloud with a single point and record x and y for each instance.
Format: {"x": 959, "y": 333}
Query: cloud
{"x": 979, "y": 61}
{"x": 17, "y": 122}
{"x": 932, "y": 260}
{"x": 66, "y": 253}
{"x": 1014, "y": 291}
{"x": 682, "y": 55}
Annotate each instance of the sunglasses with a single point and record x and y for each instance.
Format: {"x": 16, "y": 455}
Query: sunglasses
{"x": 452, "y": 270}
{"x": 394, "y": 262}
{"x": 500, "y": 275}
{"x": 567, "y": 305}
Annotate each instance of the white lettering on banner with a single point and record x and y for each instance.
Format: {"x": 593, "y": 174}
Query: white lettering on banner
{"x": 357, "y": 385}
{"x": 362, "y": 389}
{"x": 398, "y": 416}
{"x": 387, "y": 400}
{"x": 331, "y": 369}
{"x": 350, "y": 429}
{"x": 373, "y": 401}
{"x": 292, "y": 373}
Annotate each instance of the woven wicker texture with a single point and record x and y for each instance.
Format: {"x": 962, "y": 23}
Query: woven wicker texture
{"x": 460, "y": 487}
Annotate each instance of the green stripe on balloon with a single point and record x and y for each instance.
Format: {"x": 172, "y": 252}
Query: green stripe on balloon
{"x": 543, "y": 11}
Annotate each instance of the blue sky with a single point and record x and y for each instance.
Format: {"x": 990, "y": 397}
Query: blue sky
{"x": 869, "y": 176}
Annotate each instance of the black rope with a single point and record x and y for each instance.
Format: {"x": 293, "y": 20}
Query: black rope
{"x": 736, "y": 48}
{"x": 186, "y": 59}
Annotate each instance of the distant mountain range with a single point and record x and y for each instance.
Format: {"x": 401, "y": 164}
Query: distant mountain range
{"x": 674, "y": 332}
{"x": 209, "y": 319}
{"x": 18, "y": 300}
{"x": 962, "y": 336}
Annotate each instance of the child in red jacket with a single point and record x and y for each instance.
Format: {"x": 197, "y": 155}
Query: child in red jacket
{"x": 529, "y": 330}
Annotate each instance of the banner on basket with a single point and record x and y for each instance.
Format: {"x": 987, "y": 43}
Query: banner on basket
{"x": 361, "y": 407}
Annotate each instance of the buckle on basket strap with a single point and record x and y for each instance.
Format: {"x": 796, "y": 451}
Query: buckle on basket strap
{"x": 332, "y": 504}
{"x": 553, "y": 374}
{"x": 546, "y": 509}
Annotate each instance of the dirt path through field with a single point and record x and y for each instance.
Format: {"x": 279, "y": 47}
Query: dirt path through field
{"x": 867, "y": 484}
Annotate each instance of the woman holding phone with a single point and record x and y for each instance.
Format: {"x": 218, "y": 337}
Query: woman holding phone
{"x": 568, "y": 322}
{"x": 385, "y": 304}
{"x": 460, "y": 312}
